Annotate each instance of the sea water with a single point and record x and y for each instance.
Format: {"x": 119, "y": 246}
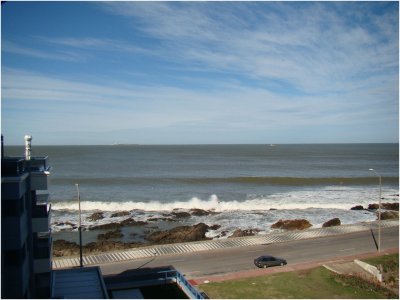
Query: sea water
{"x": 248, "y": 186}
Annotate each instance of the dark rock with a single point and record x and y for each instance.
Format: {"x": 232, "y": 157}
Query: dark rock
{"x": 222, "y": 234}
{"x": 161, "y": 219}
{"x": 180, "y": 234}
{"x": 391, "y": 206}
{"x": 120, "y": 214}
{"x": 96, "y": 216}
{"x": 112, "y": 225}
{"x": 65, "y": 248}
{"x": 105, "y": 246}
{"x": 246, "y": 232}
{"x": 333, "y": 222}
{"x": 215, "y": 227}
{"x": 115, "y": 225}
{"x": 200, "y": 212}
{"x": 65, "y": 223}
{"x": 373, "y": 206}
{"x": 180, "y": 215}
{"x": 386, "y": 215}
{"x": 388, "y": 206}
{"x": 132, "y": 222}
{"x": 357, "y": 207}
{"x": 298, "y": 224}
{"x": 110, "y": 235}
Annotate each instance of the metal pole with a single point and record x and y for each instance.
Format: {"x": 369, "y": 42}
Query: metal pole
{"x": 379, "y": 214}
{"x": 80, "y": 228}
{"x": 379, "y": 209}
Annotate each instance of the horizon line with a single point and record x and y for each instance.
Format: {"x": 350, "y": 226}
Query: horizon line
{"x": 205, "y": 144}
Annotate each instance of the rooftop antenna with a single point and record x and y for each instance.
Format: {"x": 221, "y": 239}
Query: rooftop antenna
{"x": 28, "y": 140}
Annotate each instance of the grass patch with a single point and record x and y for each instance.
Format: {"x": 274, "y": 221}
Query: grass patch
{"x": 318, "y": 283}
{"x": 389, "y": 265}
{"x": 389, "y": 262}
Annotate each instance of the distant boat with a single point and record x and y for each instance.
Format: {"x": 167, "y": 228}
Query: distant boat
{"x": 272, "y": 145}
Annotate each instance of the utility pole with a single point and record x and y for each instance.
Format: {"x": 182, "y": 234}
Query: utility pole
{"x": 80, "y": 228}
{"x": 379, "y": 209}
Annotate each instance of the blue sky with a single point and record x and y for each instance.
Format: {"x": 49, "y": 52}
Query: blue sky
{"x": 200, "y": 72}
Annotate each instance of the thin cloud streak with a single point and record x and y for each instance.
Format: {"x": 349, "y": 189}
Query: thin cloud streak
{"x": 308, "y": 46}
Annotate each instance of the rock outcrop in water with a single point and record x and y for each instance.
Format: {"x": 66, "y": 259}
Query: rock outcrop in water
{"x": 357, "y": 207}
{"x": 386, "y": 205}
{"x": 96, "y": 216}
{"x": 201, "y": 212}
{"x": 246, "y": 232}
{"x": 115, "y": 225}
{"x": 120, "y": 214}
{"x": 387, "y": 215}
{"x": 180, "y": 214}
{"x": 180, "y": 234}
{"x": 333, "y": 222}
{"x": 298, "y": 224}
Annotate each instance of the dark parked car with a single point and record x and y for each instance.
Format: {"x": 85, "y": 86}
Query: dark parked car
{"x": 269, "y": 261}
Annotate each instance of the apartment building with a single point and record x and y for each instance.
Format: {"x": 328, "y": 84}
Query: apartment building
{"x": 25, "y": 226}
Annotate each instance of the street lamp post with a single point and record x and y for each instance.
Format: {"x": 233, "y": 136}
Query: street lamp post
{"x": 80, "y": 228}
{"x": 379, "y": 209}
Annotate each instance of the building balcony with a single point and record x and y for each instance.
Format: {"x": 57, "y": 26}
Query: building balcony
{"x": 42, "y": 253}
{"x": 41, "y": 215}
{"x": 39, "y": 173}
{"x": 39, "y": 180}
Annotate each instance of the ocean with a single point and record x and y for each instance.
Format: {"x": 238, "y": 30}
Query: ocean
{"x": 248, "y": 186}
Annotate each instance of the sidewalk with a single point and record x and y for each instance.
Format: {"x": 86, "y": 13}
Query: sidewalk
{"x": 287, "y": 268}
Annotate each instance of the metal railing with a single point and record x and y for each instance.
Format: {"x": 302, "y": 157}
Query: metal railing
{"x": 183, "y": 283}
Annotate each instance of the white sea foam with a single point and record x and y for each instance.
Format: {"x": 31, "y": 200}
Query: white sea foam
{"x": 324, "y": 198}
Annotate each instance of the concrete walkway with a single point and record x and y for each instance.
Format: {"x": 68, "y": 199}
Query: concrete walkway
{"x": 157, "y": 250}
{"x": 349, "y": 268}
{"x": 290, "y": 268}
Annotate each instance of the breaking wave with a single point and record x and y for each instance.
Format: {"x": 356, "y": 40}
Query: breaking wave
{"x": 327, "y": 198}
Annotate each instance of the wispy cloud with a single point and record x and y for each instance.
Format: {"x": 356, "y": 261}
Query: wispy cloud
{"x": 63, "y": 55}
{"x": 105, "y": 44}
{"x": 311, "y": 46}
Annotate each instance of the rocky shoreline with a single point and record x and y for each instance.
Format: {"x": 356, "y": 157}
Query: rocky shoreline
{"x": 110, "y": 240}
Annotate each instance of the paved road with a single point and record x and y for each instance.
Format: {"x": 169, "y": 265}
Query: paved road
{"x": 221, "y": 261}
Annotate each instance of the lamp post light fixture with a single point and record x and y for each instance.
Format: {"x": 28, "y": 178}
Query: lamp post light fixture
{"x": 379, "y": 209}
{"x": 80, "y": 228}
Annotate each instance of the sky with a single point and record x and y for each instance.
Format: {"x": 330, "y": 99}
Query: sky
{"x": 199, "y": 72}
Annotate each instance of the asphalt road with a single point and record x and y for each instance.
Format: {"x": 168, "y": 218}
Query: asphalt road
{"x": 213, "y": 262}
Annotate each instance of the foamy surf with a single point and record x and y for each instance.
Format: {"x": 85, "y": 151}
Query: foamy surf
{"x": 325, "y": 198}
